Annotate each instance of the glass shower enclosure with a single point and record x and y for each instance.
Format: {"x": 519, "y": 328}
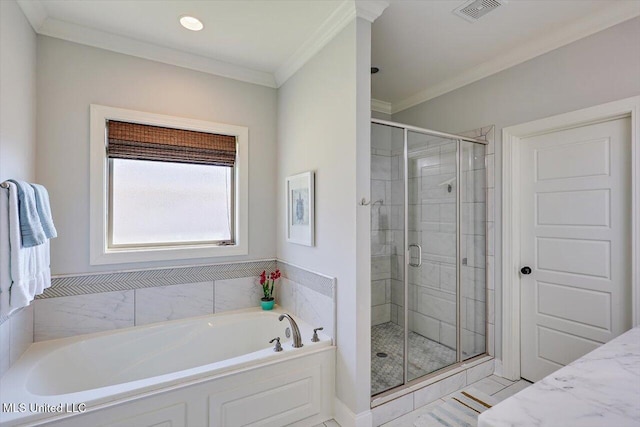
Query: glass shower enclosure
{"x": 428, "y": 245}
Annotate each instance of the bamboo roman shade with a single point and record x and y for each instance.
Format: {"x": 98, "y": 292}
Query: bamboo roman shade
{"x": 146, "y": 142}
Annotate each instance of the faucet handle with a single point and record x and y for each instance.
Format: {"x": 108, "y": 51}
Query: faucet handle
{"x": 278, "y": 347}
{"x": 315, "y": 334}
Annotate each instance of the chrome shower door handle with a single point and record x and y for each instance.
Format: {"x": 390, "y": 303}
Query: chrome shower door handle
{"x": 412, "y": 264}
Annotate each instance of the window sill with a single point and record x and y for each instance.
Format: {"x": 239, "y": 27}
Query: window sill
{"x": 129, "y": 255}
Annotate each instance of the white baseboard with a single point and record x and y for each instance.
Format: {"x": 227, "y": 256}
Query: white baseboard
{"x": 347, "y": 418}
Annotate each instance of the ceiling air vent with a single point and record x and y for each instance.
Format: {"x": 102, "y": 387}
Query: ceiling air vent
{"x": 476, "y": 9}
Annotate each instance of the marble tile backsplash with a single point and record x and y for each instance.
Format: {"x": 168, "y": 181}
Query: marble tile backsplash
{"x": 311, "y": 306}
{"x": 81, "y": 314}
{"x": 16, "y": 335}
{"x": 173, "y": 302}
{"x": 234, "y": 294}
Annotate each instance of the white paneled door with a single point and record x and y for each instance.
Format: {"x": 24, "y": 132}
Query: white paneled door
{"x": 575, "y": 249}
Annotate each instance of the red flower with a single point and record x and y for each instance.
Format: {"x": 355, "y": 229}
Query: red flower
{"x": 263, "y": 277}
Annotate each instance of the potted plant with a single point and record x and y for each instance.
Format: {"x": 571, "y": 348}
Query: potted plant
{"x": 268, "y": 284}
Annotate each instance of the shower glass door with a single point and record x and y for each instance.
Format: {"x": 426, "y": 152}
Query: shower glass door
{"x": 473, "y": 232}
{"x": 428, "y": 253}
{"x": 432, "y": 242}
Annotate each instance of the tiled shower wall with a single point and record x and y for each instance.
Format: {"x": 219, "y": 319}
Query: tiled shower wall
{"x": 93, "y": 303}
{"x": 386, "y": 223}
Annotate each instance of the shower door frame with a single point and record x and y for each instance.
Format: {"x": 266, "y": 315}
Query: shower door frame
{"x": 459, "y": 362}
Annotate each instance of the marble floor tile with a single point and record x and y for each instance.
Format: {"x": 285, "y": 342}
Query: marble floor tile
{"x": 502, "y": 380}
{"x": 425, "y": 356}
{"x": 489, "y": 386}
{"x": 410, "y": 418}
{"x": 459, "y": 409}
{"x": 480, "y": 371}
{"x": 392, "y": 410}
{"x": 439, "y": 389}
{"x": 330, "y": 423}
{"x": 511, "y": 390}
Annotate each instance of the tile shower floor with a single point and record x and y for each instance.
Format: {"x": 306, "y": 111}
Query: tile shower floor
{"x": 425, "y": 356}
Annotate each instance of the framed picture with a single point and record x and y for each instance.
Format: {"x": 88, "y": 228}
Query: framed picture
{"x": 300, "y": 209}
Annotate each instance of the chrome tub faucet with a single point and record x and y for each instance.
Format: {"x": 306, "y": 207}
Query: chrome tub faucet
{"x": 297, "y": 339}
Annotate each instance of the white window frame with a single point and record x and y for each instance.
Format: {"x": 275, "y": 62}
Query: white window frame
{"x": 100, "y": 253}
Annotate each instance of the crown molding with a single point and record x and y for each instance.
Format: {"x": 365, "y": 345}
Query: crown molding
{"x": 616, "y": 13}
{"x": 335, "y": 23}
{"x": 380, "y": 106}
{"x": 370, "y": 9}
{"x": 103, "y": 40}
{"x": 35, "y": 13}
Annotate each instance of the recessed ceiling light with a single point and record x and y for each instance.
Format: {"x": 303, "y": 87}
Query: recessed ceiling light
{"x": 191, "y": 23}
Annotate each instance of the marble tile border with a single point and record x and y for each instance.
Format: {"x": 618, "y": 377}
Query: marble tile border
{"x": 119, "y": 281}
{"x": 83, "y": 284}
{"x": 314, "y": 281}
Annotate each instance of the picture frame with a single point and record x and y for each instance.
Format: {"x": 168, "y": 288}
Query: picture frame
{"x": 300, "y": 206}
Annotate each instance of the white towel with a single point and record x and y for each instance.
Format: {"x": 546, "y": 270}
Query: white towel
{"x": 30, "y": 273}
{"x": 5, "y": 254}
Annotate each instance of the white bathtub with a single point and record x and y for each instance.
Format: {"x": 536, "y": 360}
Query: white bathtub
{"x": 216, "y": 370}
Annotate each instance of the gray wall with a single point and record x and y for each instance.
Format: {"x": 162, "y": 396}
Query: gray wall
{"x": 17, "y": 143}
{"x": 72, "y": 76}
{"x": 18, "y": 100}
{"x": 597, "y": 69}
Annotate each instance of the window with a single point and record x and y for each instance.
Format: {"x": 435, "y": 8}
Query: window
{"x": 165, "y": 188}
{"x": 158, "y": 203}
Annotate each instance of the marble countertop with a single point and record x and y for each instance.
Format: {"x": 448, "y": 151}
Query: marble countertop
{"x": 601, "y": 388}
